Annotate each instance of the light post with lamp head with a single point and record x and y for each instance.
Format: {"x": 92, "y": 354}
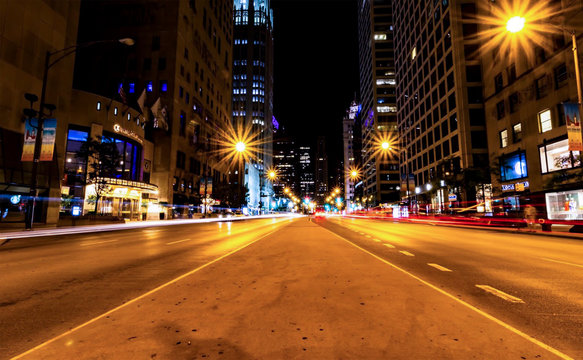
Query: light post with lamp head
{"x": 62, "y": 53}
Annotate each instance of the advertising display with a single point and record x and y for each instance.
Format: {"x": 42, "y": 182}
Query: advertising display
{"x": 565, "y": 205}
{"x": 48, "y": 140}
{"x": 29, "y": 140}
{"x": 573, "y": 119}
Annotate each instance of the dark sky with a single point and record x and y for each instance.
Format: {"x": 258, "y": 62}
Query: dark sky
{"x": 316, "y": 68}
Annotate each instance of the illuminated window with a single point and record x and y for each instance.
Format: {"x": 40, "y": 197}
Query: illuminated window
{"x": 115, "y": 111}
{"x": 503, "y": 138}
{"x": 544, "y": 121}
{"x": 380, "y": 36}
{"x": 149, "y": 86}
{"x": 386, "y": 109}
{"x": 98, "y": 105}
{"x": 556, "y": 156}
{"x": 414, "y": 53}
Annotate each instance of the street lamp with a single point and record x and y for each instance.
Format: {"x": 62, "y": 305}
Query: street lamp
{"x": 515, "y": 24}
{"x": 385, "y": 145}
{"x": 63, "y": 53}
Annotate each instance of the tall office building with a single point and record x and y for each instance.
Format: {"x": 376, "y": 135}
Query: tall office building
{"x": 321, "y": 169}
{"x": 377, "y": 96}
{"x": 285, "y": 163}
{"x": 307, "y": 186}
{"x": 440, "y": 103}
{"x": 24, "y": 41}
{"x": 182, "y": 58}
{"x": 253, "y": 90}
{"x": 350, "y": 161}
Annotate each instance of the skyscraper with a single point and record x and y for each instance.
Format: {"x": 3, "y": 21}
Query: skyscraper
{"x": 253, "y": 89}
{"x": 306, "y": 171}
{"x": 377, "y": 96}
{"x": 285, "y": 163}
{"x": 350, "y": 161}
{"x": 440, "y": 104}
{"x": 321, "y": 169}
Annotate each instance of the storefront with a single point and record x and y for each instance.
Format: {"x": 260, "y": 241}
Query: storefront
{"x": 126, "y": 199}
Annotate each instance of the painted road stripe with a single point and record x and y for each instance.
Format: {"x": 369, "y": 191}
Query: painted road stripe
{"x": 368, "y": 236}
{"x": 97, "y": 242}
{"x": 377, "y": 240}
{"x": 460, "y": 301}
{"x": 389, "y": 246}
{"x": 406, "y": 253}
{"x": 438, "y": 267}
{"x": 143, "y": 295}
{"x": 563, "y": 262}
{"x": 501, "y": 294}
{"x": 178, "y": 241}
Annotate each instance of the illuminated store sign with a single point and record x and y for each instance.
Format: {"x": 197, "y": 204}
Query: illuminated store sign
{"x": 120, "y": 130}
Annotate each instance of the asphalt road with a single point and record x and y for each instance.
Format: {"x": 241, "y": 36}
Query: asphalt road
{"x": 50, "y": 284}
{"x": 543, "y": 274}
{"x": 335, "y": 288}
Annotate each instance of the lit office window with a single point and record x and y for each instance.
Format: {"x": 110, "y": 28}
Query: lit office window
{"x": 98, "y": 105}
{"x": 544, "y": 120}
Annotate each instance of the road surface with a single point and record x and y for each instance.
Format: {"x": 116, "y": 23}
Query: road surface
{"x": 335, "y": 288}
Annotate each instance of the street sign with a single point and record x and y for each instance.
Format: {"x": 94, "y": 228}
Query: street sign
{"x": 452, "y": 197}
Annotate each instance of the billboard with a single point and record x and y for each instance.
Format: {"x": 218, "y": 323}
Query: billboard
{"x": 573, "y": 120}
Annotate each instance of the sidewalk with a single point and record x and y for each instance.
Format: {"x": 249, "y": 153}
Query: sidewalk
{"x": 299, "y": 293}
{"x": 53, "y": 231}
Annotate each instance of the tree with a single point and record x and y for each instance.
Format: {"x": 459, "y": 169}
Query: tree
{"x": 231, "y": 195}
{"x": 103, "y": 160}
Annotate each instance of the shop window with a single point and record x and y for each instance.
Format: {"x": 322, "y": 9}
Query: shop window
{"x": 565, "y": 205}
{"x": 556, "y": 156}
{"x": 544, "y": 121}
{"x": 513, "y": 167}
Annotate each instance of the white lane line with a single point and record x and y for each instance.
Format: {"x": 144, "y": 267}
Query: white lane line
{"x": 501, "y": 294}
{"x": 368, "y": 236}
{"x": 377, "y": 240}
{"x": 178, "y": 241}
{"x": 142, "y": 296}
{"x": 406, "y": 253}
{"x": 96, "y": 242}
{"x": 361, "y": 233}
{"x": 438, "y": 267}
{"x": 389, "y": 246}
{"x": 460, "y": 301}
{"x": 562, "y": 262}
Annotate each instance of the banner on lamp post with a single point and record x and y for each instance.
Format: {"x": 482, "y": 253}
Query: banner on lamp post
{"x": 48, "y": 140}
{"x": 573, "y": 120}
{"x": 209, "y": 186}
{"x": 30, "y": 133}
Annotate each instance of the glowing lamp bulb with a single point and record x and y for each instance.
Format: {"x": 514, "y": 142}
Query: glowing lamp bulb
{"x": 515, "y": 24}
{"x": 272, "y": 174}
{"x": 240, "y": 146}
{"x": 385, "y": 145}
{"x": 354, "y": 173}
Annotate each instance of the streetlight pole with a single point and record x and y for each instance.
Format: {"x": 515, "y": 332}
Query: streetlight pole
{"x": 577, "y": 70}
{"x": 40, "y": 119}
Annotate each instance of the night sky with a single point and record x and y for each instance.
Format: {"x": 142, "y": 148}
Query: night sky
{"x": 316, "y": 69}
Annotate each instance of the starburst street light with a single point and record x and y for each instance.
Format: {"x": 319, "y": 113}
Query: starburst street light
{"x": 240, "y": 146}
{"x": 515, "y": 24}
